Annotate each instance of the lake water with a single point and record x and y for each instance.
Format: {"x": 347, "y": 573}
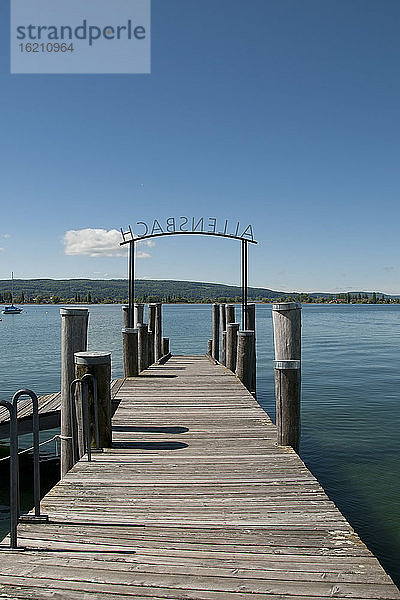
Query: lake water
{"x": 350, "y": 393}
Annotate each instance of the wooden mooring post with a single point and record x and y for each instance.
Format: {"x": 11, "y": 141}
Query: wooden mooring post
{"x": 97, "y": 364}
{"x": 231, "y": 345}
{"x": 229, "y": 314}
{"x": 125, "y": 316}
{"x": 165, "y": 347}
{"x": 223, "y": 330}
{"x": 151, "y": 332}
{"x": 215, "y": 332}
{"x": 223, "y": 348}
{"x": 138, "y": 314}
{"x": 150, "y": 346}
{"x": 286, "y": 319}
{"x": 152, "y": 317}
{"x": 130, "y": 352}
{"x": 143, "y": 347}
{"x": 74, "y": 327}
{"x": 245, "y": 358}
{"x": 223, "y": 316}
{"x": 158, "y": 339}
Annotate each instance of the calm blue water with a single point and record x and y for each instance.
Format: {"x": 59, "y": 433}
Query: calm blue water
{"x": 350, "y": 397}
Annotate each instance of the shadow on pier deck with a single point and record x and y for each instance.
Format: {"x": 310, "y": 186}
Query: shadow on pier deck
{"x": 194, "y": 500}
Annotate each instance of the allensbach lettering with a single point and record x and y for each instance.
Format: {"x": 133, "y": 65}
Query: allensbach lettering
{"x": 91, "y": 33}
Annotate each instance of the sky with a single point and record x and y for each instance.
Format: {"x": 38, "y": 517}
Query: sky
{"x": 279, "y": 113}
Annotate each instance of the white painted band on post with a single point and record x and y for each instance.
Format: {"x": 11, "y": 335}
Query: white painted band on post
{"x": 283, "y": 365}
{"x": 92, "y": 358}
{"x": 73, "y": 312}
{"x": 286, "y": 306}
{"x": 128, "y": 330}
{"x": 246, "y": 332}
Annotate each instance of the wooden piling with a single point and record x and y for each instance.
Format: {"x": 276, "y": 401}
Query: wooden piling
{"x": 143, "y": 348}
{"x": 165, "y": 347}
{"x": 74, "y": 326}
{"x": 245, "y": 358}
{"x": 287, "y": 390}
{"x": 224, "y": 348}
{"x": 158, "y": 333}
{"x": 130, "y": 352}
{"x": 215, "y": 331}
{"x": 286, "y": 319}
{"x": 152, "y": 317}
{"x": 150, "y": 344}
{"x": 125, "y": 316}
{"x": 138, "y": 314}
{"x": 152, "y": 327}
{"x": 223, "y": 317}
{"x": 251, "y": 317}
{"x": 209, "y": 347}
{"x": 231, "y": 345}
{"x": 229, "y": 313}
{"x": 98, "y": 364}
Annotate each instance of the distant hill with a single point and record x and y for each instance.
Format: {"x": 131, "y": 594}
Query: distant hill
{"x": 146, "y": 290}
{"x": 117, "y": 289}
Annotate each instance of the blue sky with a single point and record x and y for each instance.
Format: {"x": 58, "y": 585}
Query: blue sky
{"x": 283, "y": 114}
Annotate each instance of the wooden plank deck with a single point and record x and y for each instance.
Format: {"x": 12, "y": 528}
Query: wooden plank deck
{"x": 193, "y": 501}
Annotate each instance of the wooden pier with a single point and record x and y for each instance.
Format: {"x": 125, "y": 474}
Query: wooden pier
{"x": 194, "y": 500}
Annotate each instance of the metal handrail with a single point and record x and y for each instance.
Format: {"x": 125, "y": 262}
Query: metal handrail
{"x": 14, "y": 473}
{"x": 74, "y": 426}
{"x": 84, "y": 389}
{"x": 36, "y": 453}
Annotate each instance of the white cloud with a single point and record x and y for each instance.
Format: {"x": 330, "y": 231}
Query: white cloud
{"x": 5, "y": 236}
{"x": 98, "y": 242}
{"x": 2, "y": 249}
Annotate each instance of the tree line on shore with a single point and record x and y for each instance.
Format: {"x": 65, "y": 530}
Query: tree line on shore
{"x": 87, "y": 291}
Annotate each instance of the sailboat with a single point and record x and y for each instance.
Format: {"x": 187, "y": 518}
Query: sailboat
{"x": 12, "y": 310}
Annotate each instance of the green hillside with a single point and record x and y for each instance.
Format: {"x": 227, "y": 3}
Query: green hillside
{"x": 116, "y": 290}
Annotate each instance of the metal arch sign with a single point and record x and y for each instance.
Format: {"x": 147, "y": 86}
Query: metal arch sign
{"x": 189, "y": 226}
{"x": 225, "y": 228}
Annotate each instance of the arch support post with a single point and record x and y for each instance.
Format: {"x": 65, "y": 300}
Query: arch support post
{"x": 245, "y": 271}
{"x": 251, "y": 326}
{"x": 131, "y": 323}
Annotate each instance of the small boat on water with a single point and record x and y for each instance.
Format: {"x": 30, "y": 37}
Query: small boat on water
{"x": 11, "y": 309}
